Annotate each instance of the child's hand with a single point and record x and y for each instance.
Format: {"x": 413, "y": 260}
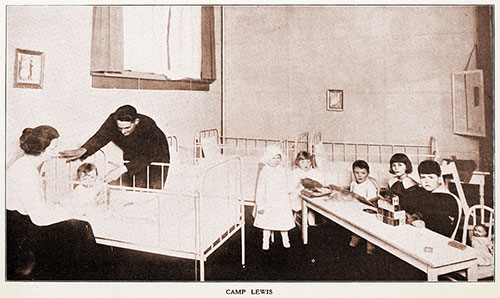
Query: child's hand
{"x": 410, "y": 218}
{"x": 260, "y": 212}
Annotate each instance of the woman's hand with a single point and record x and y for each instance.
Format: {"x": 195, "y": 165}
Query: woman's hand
{"x": 115, "y": 174}
{"x": 260, "y": 212}
{"x": 74, "y": 154}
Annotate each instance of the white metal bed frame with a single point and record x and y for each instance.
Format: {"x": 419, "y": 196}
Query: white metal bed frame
{"x": 336, "y": 151}
{"x": 351, "y": 151}
{"x": 200, "y": 254}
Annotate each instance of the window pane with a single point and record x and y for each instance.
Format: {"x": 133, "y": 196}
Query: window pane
{"x": 145, "y": 38}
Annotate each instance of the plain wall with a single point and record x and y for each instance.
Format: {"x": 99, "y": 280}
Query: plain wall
{"x": 393, "y": 63}
{"x": 67, "y": 100}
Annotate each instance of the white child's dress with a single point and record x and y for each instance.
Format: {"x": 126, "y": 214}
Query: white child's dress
{"x": 484, "y": 250}
{"x": 272, "y": 197}
{"x": 84, "y": 199}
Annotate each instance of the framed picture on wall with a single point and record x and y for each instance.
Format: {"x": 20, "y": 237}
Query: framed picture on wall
{"x": 28, "y": 69}
{"x": 334, "y": 100}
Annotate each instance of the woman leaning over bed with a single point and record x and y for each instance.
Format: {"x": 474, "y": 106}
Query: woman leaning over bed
{"x": 42, "y": 238}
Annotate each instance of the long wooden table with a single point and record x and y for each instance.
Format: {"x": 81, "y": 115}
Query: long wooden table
{"x": 420, "y": 247}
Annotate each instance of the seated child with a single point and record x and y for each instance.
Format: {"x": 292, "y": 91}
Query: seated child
{"x": 482, "y": 245}
{"x": 90, "y": 192}
{"x": 304, "y": 168}
{"x": 402, "y": 184}
{"x": 366, "y": 187}
{"x": 433, "y": 203}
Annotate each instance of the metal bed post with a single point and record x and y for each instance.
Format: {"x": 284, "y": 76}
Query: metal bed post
{"x": 198, "y": 252}
{"x": 242, "y": 213}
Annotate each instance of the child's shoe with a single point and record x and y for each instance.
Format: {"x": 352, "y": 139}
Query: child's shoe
{"x": 354, "y": 241}
{"x": 286, "y": 240}
{"x": 265, "y": 244}
{"x": 370, "y": 248}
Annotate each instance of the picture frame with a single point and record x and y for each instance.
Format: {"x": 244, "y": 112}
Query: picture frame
{"x": 468, "y": 103}
{"x": 28, "y": 69}
{"x": 335, "y": 100}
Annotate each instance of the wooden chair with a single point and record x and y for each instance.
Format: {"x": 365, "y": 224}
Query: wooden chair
{"x": 449, "y": 168}
{"x": 477, "y": 214}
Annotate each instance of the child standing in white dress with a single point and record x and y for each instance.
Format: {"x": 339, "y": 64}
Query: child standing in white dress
{"x": 272, "y": 203}
{"x": 304, "y": 168}
{"x": 366, "y": 187}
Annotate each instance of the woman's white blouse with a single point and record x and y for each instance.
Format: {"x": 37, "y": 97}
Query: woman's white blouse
{"x": 24, "y": 194}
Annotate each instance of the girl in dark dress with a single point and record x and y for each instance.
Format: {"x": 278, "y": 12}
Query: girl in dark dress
{"x": 402, "y": 185}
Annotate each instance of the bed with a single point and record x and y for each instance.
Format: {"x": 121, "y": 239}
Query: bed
{"x": 334, "y": 159}
{"x": 199, "y": 208}
{"x": 210, "y": 144}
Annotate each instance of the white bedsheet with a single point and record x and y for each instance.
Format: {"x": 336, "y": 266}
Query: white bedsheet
{"x": 165, "y": 220}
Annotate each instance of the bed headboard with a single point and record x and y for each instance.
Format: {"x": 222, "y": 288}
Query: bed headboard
{"x": 337, "y": 157}
{"x": 376, "y": 152}
{"x": 173, "y": 144}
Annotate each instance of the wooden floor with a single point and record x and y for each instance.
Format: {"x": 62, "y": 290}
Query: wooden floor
{"x": 328, "y": 257}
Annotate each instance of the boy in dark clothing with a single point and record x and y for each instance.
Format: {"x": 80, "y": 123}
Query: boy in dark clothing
{"x": 433, "y": 202}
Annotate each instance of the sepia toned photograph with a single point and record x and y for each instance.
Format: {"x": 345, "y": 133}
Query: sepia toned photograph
{"x": 191, "y": 145}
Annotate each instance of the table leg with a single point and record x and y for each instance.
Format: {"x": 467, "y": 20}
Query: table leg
{"x": 472, "y": 272}
{"x": 432, "y": 275}
{"x": 304, "y": 222}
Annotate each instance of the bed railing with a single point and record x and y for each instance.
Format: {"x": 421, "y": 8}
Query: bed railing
{"x": 375, "y": 152}
{"x": 142, "y": 218}
{"x": 65, "y": 171}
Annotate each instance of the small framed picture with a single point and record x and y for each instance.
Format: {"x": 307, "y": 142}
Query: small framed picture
{"x": 334, "y": 100}
{"x": 28, "y": 69}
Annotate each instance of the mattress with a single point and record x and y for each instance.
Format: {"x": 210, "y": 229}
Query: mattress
{"x": 166, "y": 220}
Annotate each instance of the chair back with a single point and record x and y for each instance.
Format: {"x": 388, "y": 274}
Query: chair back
{"x": 455, "y": 231}
{"x": 478, "y": 214}
{"x": 449, "y": 168}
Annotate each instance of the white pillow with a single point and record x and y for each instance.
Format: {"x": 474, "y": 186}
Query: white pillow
{"x": 210, "y": 147}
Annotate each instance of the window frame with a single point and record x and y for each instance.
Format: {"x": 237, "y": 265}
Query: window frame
{"x": 135, "y": 80}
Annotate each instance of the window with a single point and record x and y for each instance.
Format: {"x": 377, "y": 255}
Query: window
{"x": 129, "y": 51}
